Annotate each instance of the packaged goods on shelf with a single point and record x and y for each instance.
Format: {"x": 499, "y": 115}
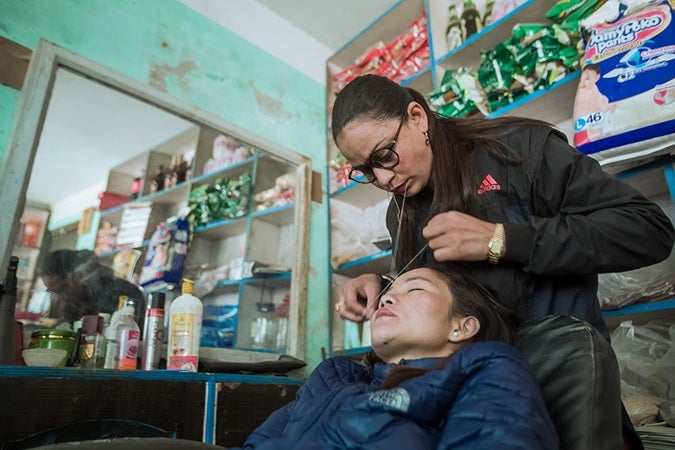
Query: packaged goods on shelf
{"x": 460, "y": 95}
{"x": 111, "y": 199}
{"x": 340, "y": 168}
{"x": 106, "y": 238}
{"x": 165, "y": 259}
{"x": 466, "y": 18}
{"x": 226, "y": 152}
{"x": 224, "y": 199}
{"x": 628, "y": 66}
{"x": 354, "y": 231}
{"x": 124, "y": 263}
{"x": 399, "y": 59}
{"x": 535, "y": 57}
{"x": 283, "y": 193}
{"x": 219, "y": 326}
{"x": 133, "y": 224}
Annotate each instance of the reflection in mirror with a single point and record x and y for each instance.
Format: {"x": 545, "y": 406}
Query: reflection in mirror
{"x": 125, "y": 199}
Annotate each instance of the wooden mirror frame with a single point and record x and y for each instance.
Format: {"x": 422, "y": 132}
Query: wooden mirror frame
{"x": 27, "y": 126}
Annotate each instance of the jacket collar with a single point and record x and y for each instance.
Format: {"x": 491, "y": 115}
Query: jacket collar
{"x": 382, "y": 370}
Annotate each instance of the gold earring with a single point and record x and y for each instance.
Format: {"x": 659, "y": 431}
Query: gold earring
{"x": 426, "y": 135}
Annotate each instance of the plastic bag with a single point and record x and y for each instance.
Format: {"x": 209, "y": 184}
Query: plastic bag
{"x": 646, "y": 355}
{"x": 654, "y": 282}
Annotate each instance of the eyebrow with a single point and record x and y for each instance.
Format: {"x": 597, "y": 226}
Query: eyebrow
{"x": 381, "y": 146}
{"x": 409, "y": 280}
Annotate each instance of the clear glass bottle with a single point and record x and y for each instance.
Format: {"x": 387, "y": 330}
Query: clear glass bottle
{"x": 264, "y": 327}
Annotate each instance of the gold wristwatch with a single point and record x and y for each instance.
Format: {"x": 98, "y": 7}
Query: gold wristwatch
{"x": 497, "y": 245}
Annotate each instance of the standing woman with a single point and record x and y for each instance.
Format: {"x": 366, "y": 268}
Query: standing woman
{"x": 506, "y": 199}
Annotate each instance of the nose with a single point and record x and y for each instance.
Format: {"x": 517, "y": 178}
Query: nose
{"x": 386, "y": 299}
{"x": 383, "y": 177}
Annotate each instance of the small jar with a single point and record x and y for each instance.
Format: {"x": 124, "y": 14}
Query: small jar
{"x": 63, "y": 339}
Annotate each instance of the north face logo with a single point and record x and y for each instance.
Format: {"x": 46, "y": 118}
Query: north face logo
{"x": 488, "y": 184}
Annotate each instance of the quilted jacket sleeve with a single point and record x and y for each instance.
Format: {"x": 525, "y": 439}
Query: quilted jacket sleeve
{"x": 498, "y": 406}
{"x": 272, "y": 428}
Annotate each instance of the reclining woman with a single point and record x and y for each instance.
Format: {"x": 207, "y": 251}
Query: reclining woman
{"x": 440, "y": 375}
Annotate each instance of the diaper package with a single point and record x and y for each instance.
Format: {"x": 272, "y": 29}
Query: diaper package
{"x": 165, "y": 259}
{"x": 626, "y": 91}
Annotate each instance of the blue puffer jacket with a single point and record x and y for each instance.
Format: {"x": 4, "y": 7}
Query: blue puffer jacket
{"x": 485, "y": 397}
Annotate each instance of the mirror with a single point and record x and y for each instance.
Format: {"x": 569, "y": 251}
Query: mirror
{"x": 100, "y": 162}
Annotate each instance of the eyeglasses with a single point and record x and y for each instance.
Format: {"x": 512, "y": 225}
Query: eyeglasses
{"x": 382, "y": 158}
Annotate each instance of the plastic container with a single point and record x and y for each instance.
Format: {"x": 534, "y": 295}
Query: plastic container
{"x": 185, "y": 330}
{"x": 63, "y": 339}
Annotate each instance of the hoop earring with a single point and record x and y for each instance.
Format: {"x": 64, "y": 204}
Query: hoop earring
{"x": 426, "y": 140}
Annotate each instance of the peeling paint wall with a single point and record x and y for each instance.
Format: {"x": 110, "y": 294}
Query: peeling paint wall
{"x": 171, "y": 47}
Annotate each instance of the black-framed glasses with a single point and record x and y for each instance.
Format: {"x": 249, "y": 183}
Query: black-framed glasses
{"x": 382, "y": 158}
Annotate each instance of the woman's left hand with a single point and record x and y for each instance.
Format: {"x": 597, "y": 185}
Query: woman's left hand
{"x": 455, "y": 236}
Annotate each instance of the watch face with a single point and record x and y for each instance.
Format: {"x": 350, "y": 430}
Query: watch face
{"x": 496, "y": 246}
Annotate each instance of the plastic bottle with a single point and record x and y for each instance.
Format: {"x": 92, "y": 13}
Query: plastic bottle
{"x": 153, "y": 332}
{"x": 112, "y": 349}
{"x": 185, "y": 329}
{"x": 128, "y": 337}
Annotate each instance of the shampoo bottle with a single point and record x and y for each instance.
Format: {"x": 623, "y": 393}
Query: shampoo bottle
{"x": 185, "y": 329}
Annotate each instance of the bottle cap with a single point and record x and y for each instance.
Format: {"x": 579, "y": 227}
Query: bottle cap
{"x": 156, "y": 300}
{"x": 187, "y": 286}
{"x": 122, "y": 301}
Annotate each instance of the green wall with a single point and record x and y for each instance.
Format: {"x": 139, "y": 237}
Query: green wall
{"x": 170, "y": 46}
{"x": 8, "y": 100}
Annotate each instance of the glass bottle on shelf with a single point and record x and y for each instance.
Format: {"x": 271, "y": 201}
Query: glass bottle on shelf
{"x": 264, "y": 326}
{"x": 471, "y": 21}
{"x": 453, "y": 33}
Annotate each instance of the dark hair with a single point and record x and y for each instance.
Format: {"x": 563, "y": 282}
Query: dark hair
{"x": 469, "y": 298}
{"x": 65, "y": 262}
{"x": 372, "y": 97}
{"x": 593, "y": 67}
{"x": 78, "y": 266}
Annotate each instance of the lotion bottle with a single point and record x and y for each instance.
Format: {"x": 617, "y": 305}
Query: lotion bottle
{"x": 185, "y": 330}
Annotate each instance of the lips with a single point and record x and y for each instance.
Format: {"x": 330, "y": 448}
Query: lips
{"x": 401, "y": 188}
{"x": 384, "y": 312}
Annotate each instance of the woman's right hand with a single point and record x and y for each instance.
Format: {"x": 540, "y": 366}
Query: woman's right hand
{"x": 359, "y": 297}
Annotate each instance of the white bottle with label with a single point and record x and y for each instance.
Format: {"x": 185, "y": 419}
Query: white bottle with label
{"x": 185, "y": 330}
